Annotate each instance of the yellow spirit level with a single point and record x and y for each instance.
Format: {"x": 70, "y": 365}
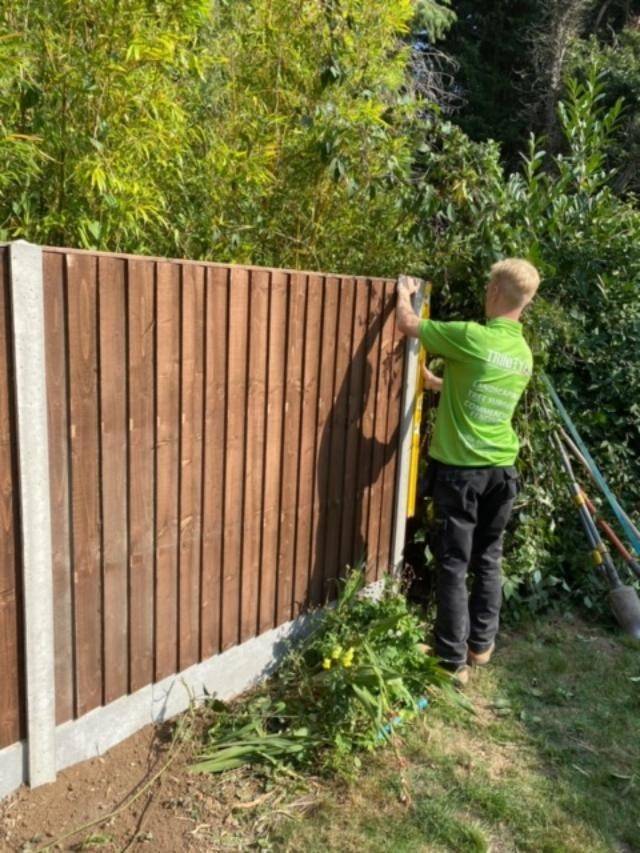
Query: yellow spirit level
{"x": 417, "y": 416}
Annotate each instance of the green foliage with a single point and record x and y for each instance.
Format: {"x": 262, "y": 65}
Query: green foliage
{"x": 95, "y": 89}
{"x": 235, "y": 131}
{"x": 492, "y": 42}
{"x": 334, "y": 695}
{"x": 620, "y": 63}
{"x": 289, "y": 134}
{"x": 584, "y": 327}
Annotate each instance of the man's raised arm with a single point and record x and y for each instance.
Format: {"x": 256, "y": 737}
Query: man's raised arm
{"x": 408, "y": 320}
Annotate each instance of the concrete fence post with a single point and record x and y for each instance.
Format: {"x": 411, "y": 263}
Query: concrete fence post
{"x": 412, "y": 350}
{"x": 27, "y": 312}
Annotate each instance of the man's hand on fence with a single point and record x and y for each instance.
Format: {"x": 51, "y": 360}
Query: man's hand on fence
{"x": 408, "y": 320}
{"x": 408, "y": 284}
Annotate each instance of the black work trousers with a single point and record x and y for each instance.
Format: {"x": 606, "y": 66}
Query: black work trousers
{"x": 472, "y": 508}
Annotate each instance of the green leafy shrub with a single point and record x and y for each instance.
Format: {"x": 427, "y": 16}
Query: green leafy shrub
{"x": 584, "y": 326}
{"x": 360, "y": 667}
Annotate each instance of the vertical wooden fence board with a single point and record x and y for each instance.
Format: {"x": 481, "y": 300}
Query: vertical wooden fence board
{"x": 235, "y": 472}
{"x": 141, "y": 471}
{"x": 356, "y": 399}
{"x": 167, "y": 346}
{"x": 339, "y": 413}
{"x": 389, "y": 471}
{"x": 57, "y": 397}
{"x": 252, "y": 538}
{"x": 113, "y": 412}
{"x": 380, "y": 428}
{"x": 304, "y": 520}
{"x": 365, "y": 471}
{"x": 11, "y": 646}
{"x": 330, "y": 318}
{"x": 84, "y": 428}
{"x": 191, "y": 462}
{"x": 291, "y": 448}
{"x": 214, "y": 458}
{"x": 276, "y": 359}
{"x": 166, "y": 445}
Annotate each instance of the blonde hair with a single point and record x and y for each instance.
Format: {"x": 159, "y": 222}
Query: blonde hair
{"x": 517, "y": 280}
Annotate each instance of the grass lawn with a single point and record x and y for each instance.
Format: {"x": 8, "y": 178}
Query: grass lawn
{"x": 550, "y": 761}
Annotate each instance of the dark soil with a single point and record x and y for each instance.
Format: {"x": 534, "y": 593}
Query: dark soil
{"x": 180, "y": 811}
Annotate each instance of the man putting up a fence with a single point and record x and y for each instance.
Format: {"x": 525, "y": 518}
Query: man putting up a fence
{"x": 471, "y": 474}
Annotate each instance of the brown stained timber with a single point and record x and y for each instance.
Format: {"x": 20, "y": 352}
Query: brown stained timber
{"x": 113, "y": 446}
{"x": 235, "y": 454}
{"x": 394, "y": 377}
{"x": 380, "y": 450}
{"x": 324, "y": 433}
{"x": 167, "y": 461}
{"x": 57, "y": 405}
{"x": 191, "y": 463}
{"x": 255, "y": 445}
{"x": 339, "y": 414}
{"x": 308, "y": 426}
{"x": 11, "y": 652}
{"x": 276, "y": 366}
{"x": 85, "y": 470}
{"x": 214, "y": 459}
{"x": 222, "y": 445}
{"x": 291, "y": 447}
{"x": 355, "y": 410}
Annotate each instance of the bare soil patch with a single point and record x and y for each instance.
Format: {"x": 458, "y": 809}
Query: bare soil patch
{"x": 179, "y": 811}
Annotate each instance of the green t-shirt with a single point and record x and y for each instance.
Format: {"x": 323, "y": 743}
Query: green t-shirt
{"x": 486, "y": 370}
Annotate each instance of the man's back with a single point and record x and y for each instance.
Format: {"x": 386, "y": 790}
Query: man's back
{"x": 487, "y": 368}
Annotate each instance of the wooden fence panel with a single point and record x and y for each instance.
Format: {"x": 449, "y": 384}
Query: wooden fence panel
{"x": 291, "y": 438}
{"x": 308, "y": 444}
{"x": 55, "y": 307}
{"x": 167, "y": 345}
{"x": 331, "y": 307}
{"x": 214, "y": 459}
{"x": 393, "y": 379}
{"x": 379, "y": 449}
{"x": 222, "y": 444}
{"x": 141, "y": 470}
{"x": 365, "y": 463}
{"x": 256, "y": 398}
{"x": 235, "y": 452}
{"x": 85, "y": 478}
{"x": 192, "y": 412}
{"x": 113, "y": 417}
{"x": 356, "y": 399}
{"x": 12, "y": 710}
{"x": 338, "y": 434}
{"x": 273, "y": 446}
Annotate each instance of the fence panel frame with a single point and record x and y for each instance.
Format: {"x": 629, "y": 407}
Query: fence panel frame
{"x": 49, "y": 747}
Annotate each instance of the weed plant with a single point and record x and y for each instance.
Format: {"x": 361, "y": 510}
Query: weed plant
{"x": 359, "y": 673}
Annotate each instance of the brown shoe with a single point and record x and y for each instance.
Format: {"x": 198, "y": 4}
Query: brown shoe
{"x": 480, "y": 658}
{"x": 461, "y": 676}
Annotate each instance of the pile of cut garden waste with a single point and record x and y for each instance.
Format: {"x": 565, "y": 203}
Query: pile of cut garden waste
{"x": 360, "y": 672}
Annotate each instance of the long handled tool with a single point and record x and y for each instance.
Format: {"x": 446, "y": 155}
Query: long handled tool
{"x": 632, "y": 534}
{"x": 576, "y": 452}
{"x": 623, "y": 600}
{"x": 611, "y": 535}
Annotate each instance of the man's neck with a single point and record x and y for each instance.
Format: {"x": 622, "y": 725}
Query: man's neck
{"x": 514, "y": 314}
